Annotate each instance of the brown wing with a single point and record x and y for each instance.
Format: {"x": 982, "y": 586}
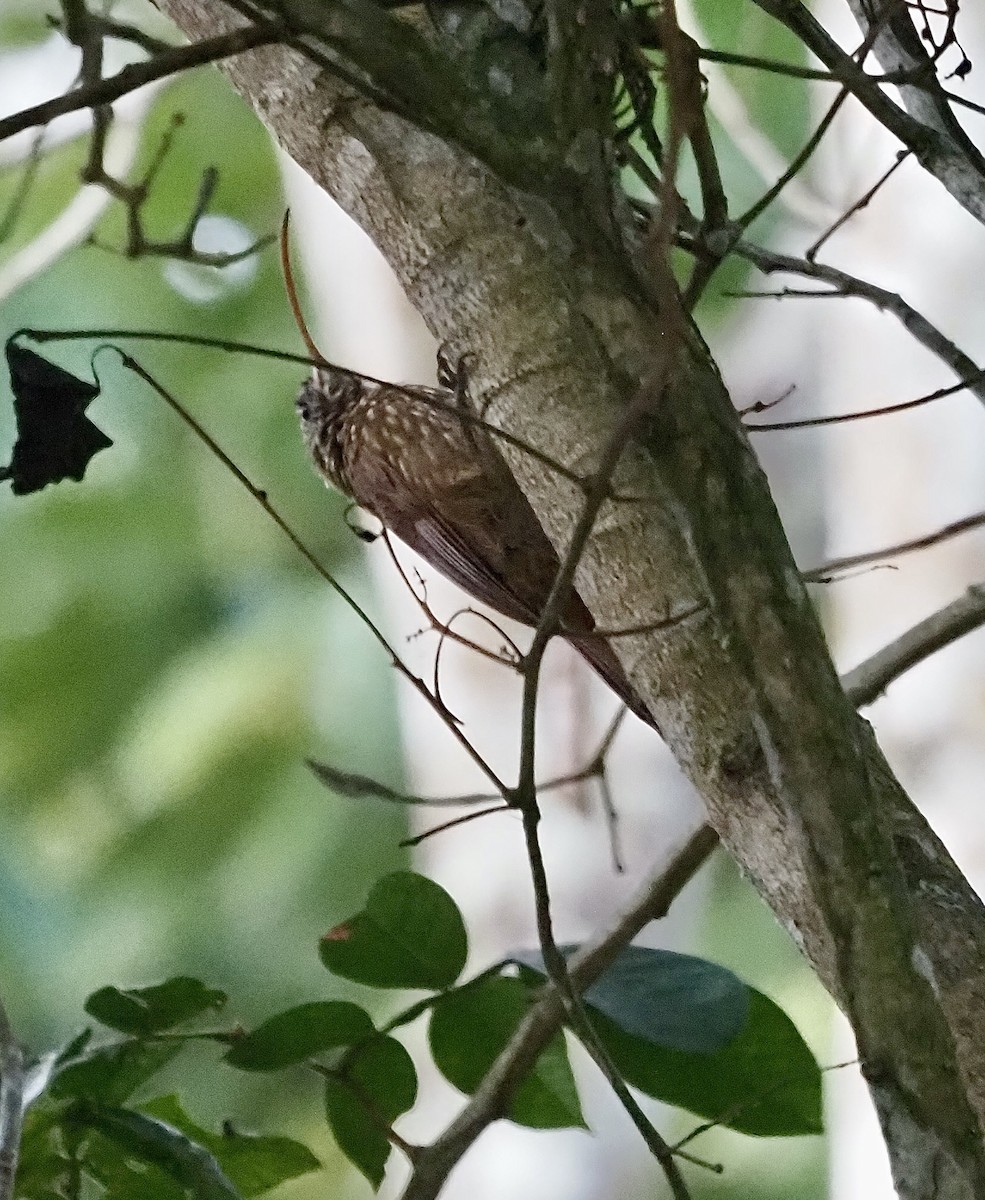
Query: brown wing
{"x": 452, "y": 499}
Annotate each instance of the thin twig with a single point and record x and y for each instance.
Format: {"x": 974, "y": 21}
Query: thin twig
{"x": 124, "y": 32}
{"x": 367, "y": 1104}
{"x": 444, "y": 826}
{"x": 260, "y": 496}
{"x": 866, "y": 682}
{"x": 797, "y": 164}
{"x": 22, "y": 192}
{"x": 445, "y": 628}
{"x": 546, "y": 1017}
{"x": 774, "y": 66}
{"x": 863, "y": 414}
{"x": 825, "y": 571}
{"x": 138, "y": 75}
{"x": 862, "y": 202}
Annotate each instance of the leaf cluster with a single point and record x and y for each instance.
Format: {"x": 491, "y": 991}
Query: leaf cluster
{"x": 682, "y": 1030}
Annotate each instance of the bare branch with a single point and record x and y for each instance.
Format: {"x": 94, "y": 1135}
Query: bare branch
{"x": 836, "y": 565}
{"x": 884, "y": 410}
{"x": 866, "y": 682}
{"x": 862, "y": 202}
{"x": 844, "y": 284}
{"x": 928, "y": 129}
{"x": 138, "y": 75}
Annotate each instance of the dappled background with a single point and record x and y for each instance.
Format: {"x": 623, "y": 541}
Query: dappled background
{"x": 167, "y": 660}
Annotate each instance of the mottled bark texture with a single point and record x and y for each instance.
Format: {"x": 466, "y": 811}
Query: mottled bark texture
{"x": 564, "y": 334}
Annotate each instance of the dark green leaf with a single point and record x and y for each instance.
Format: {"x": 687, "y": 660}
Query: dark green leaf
{"x": 765, "y": 1082}
{"x": 41, "y": 1072}
{"x": 74, "y": 1047}
{"x": 254, "y": 1164}
{"x": 148, "y": 1140}
{"x": 468, "y": 1030}
{"x": 673, "y": 1000}
{"x": 374, "y": 1088}
{"x": 55, "y": 439}
{"x": 42, "y": 1162}
{"x": 300, "y": 1033}
{"x": 111, "y": 1074}
{"x": 124, "y": 1176}
{"x": 141, "y": 1181}
{"x": 409, "y": 935}
{"x": 149, "y": 1009}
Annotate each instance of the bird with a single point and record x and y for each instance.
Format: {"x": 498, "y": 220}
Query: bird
{"x": 408, "y": 455}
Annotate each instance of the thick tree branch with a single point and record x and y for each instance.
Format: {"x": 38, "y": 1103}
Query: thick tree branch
{"x": 563, "y": 330}
{"x": 929, "y": 129}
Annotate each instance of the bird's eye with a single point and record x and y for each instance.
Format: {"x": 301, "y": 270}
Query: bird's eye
{"x": 303, "y": 409}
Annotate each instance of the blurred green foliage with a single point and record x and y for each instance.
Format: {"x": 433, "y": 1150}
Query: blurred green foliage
{"x": 166, "y": 658}
{"x": 167, "y": 661}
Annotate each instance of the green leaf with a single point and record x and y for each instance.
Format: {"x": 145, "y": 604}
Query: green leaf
{"x": 778, "y": 104}
{"x": 293, "y": 1036}
{"x": 149, "y": 1009}
{"x": 151, "y": 1141}
{"x": 111, "y": 1074}
{"x": 141, "y": 1181}
{"x": 764, "y": 1082}
{"x": 254, "y": 1163}
{"x": 471, "y": 1026}
{"x": 124, "y": 1177}
{"x": 41, "y": 1163}
{"x": 373, "y": 1088}
{"x": 409, "y": 935}
{"x": 22, "y": 23}
{"x": 673, "y": 1000}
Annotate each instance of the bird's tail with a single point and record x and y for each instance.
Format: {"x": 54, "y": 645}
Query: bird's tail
{"x": 601, "y": 656}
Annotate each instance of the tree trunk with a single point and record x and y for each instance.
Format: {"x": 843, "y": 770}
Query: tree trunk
{"x": 744, "y": 691}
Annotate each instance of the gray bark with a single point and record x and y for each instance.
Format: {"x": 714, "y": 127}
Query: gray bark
{"x": 744, "y": 692}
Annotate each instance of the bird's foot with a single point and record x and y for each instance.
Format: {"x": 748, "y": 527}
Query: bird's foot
{"x": 453, "y": 374}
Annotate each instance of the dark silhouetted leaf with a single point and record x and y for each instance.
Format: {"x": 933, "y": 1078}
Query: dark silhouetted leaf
{"x": 55, "y": 439}
{"x": 764, "y": 1082}
{"x": 673, "y": 1000}
{"x": 409, "y": 935}
{"x": 149, "y": 1009}
{"x": 300, "y": 1033}
{"x": 356, "y": 787}
{"x": 254, "y": 1164}
{"x": 468, "y": 1030}
{"x": 385, "y": 1085}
